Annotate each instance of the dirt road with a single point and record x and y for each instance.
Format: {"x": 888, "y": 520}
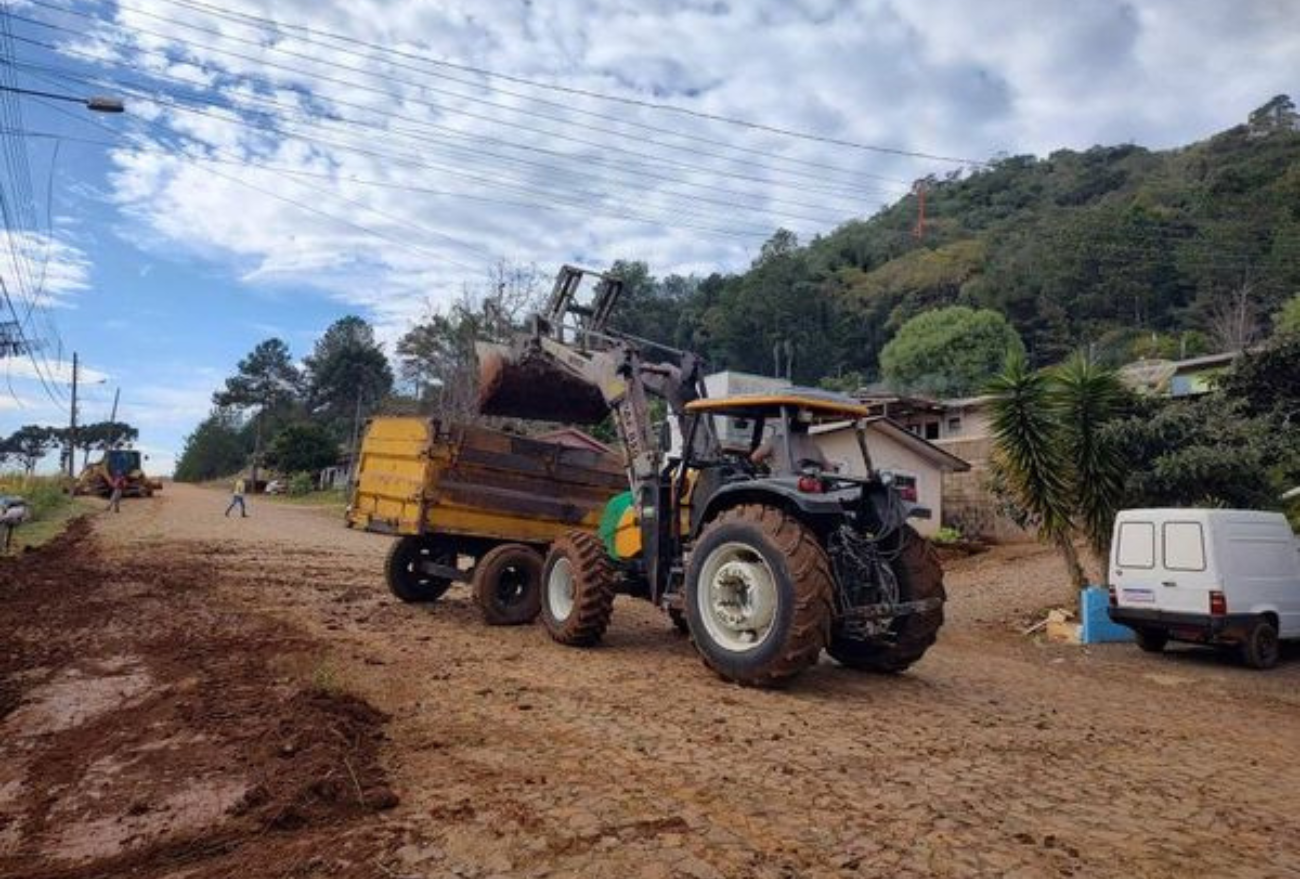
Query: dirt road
{"x": 187, "y": 695}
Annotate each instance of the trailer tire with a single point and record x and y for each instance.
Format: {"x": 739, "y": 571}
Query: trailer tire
{"x": 755, "y": 568}
{"x": 508, "y": 585}
{"x": 578, "y": 587}
{"x": 1260, "y": 649}
{"x": 920, "y": 577}
{"x": 401, "y": 571}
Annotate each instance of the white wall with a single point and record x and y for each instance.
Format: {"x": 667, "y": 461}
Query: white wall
{"x": 841, "y": 447}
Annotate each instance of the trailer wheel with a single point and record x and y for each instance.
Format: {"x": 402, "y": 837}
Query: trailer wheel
{"x": 402, "y": 568}
{"x": 578, "y": 585}
{"x": 1260, "y": 649}
{"x": 508, "y": 585}
{"x": 920, "y": 577}
{"x": 758, "y": 595}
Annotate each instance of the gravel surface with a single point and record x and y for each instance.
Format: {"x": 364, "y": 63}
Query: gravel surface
{"x": 495, "y": 752}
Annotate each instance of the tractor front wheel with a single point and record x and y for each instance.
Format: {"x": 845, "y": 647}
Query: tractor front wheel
{"x": 404, "y": 567}
{"x": 578, "y": 586}
{"x": 759, "y": 595}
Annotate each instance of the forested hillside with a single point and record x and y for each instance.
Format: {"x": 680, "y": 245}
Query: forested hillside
{"x": 1124, "y": 250}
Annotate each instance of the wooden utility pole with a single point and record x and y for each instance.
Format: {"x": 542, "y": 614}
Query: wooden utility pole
{"x": 72, "y": 426}
{"x": 918, "y": 230}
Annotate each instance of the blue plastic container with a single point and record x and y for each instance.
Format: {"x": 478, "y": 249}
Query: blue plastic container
{"x": 1095, "y": 625}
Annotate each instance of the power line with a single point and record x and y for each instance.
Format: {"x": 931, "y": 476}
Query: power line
{"x": 477, "y": 155}
{"x": 442, "y": 108}
{"x": 552, "y": 199}
{"x": 377, "y": 53}
{"x": 587, "y": 93}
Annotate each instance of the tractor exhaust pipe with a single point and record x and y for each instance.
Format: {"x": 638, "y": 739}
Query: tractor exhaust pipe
{"x": 516, "y": 383}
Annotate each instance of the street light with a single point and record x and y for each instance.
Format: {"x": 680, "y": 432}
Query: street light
{"x": 95, "y": 103}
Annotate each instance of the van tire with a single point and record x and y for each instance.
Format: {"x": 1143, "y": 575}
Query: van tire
{"x": 508, "y": 585}
{"x": 1152, "y": 640}
{"x": 1260, "y": 649}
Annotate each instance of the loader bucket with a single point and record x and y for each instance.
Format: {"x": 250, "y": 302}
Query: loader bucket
{"x": 517, "y": 385}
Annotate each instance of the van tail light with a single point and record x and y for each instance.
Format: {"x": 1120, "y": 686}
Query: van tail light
{"x": 1112, "y": 596}
{"x": 1218, "y": 604}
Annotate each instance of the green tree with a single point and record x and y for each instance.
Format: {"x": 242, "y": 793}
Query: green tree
{"x": 219, "y": 446}
{"x": 30, "y": 443}
{"x": 948, "y": 352}
{"x": 1088, "y": 397}
{"x": 303, "y": 448}
{"x": 1287, "y": 321}
{"x": 346, "y": 370}
{"x": 265, "y": 379}
{"x": 1030, "y": 462}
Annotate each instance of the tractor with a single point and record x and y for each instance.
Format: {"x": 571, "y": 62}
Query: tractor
{"x": 97, "y": 478}
{"x": 765, "y": 565}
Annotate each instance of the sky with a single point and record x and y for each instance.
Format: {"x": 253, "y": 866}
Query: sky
{"x": 283, "y": 163}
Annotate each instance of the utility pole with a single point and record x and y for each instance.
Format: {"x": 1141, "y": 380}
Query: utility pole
{"x": 72, "y": 427}
{"x": 352, "y": 447}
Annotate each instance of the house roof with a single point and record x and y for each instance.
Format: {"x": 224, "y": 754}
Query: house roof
{"x": 821, "y": 402}
{"x": 945, "y": 461}
{"x": 574, "y": 439}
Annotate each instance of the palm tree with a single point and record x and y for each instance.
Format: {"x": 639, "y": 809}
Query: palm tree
{"x": 1029, "y": 460}
{"x": 1088, "y": 396}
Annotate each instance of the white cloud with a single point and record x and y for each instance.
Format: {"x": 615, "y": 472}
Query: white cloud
{"x": 387, "y": 182}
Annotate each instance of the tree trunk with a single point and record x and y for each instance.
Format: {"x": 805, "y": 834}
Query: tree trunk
{"x": 1072, "y": 565}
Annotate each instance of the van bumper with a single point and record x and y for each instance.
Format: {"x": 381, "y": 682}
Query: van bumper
{"x": 1197, "y": 627}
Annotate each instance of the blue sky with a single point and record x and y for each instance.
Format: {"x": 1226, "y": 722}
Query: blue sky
{"x": 268, "y": 179}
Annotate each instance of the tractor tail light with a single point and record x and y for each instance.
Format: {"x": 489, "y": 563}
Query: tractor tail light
{"x": 810, "y": 485}
{"x": 1218, "y": 604}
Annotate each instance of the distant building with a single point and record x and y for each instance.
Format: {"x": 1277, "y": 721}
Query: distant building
{"x": 1177, "y": 378}
{"x": 918, "y": 467}
{"x": 572, "y": 438}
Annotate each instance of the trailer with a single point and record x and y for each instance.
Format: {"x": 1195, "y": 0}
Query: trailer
{"x": 469, "y": 504}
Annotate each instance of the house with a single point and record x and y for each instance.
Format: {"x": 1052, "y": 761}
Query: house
{"x": 917, "y": 466}
{"x": 1177, "y": 378}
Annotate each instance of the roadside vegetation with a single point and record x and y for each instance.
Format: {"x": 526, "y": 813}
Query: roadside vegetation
{"x": 51, "y": 506}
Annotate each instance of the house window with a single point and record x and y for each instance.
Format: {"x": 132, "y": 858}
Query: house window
{"x": 954, "y": 424}
{"x": 931, "y": 430}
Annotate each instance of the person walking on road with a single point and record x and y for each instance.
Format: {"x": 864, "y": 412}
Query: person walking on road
{"x": 237, "y": 499}
{"x": 117, "y": 484}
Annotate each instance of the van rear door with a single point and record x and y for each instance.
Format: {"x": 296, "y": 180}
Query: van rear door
{"x": 1161, "y": 563}
{"x": 1185, "y": 572}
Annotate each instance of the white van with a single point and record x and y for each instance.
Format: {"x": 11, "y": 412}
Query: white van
{"x": 1224, "y": 577}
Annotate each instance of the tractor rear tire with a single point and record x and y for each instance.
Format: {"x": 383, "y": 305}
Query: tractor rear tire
{"x": 508, "y": 585}
{"x": 759, "y": 594}
{"x": 402, "y": 567}
{"x": 920, "y": 577}
{"x": 578, "y": 587}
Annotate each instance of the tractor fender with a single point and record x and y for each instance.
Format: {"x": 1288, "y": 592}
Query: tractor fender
{"x": 781, "y": 493}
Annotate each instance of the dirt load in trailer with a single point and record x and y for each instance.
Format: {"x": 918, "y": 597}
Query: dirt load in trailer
{"x": 454, "y": 494}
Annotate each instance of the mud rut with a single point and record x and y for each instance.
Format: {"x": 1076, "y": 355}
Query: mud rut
{"x": 188, "y": 696}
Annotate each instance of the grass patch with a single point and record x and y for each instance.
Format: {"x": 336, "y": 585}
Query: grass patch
{"x": 52, "y": 508}
{"x": 333, "y": 500}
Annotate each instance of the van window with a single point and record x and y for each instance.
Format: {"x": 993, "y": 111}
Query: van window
{"x": 1137, "y": 545}
{"x": 1184, "y": 546}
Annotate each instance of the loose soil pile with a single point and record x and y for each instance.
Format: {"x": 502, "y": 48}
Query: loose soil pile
{"x": 145, "y": 727}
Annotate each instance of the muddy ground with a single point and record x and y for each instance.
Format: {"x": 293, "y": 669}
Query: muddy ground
{"x": 184, "y": 695}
